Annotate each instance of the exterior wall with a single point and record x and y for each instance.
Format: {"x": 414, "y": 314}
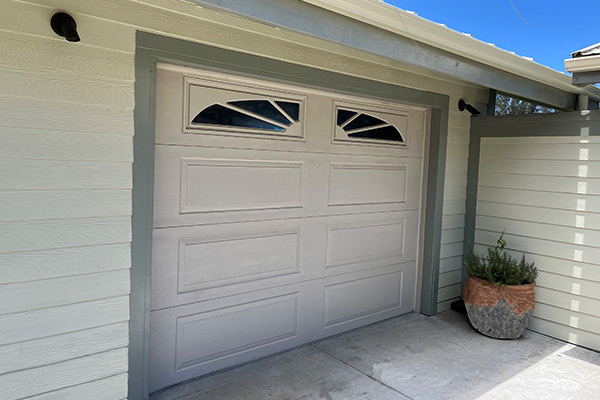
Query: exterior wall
{"x": 66, "y": 126}
{"x": 453, "y": 222}
{"x": 550, "y": 213}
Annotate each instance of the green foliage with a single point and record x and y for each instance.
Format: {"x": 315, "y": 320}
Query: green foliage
{"x": 499, "y": 267}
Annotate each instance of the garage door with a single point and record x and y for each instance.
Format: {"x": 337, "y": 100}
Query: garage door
{"x": 281, "y": 215}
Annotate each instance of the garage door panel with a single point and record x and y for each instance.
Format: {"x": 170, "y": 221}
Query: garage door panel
{"x": 361, "y": 298}
{"x": 317, "y": 117}
{"x": 209, "y": 185}
{"x": 182, "y": 98}
{"x": 200, "y": 263}
{"x": 367, "y": 241}
{"x": 201, "y": 185}
{"x": 220, "y": 333}
{"x": 204, "y": 185}
{"x": 372, "y": 185}
{"x": 376, "y": 126}
{"x": 196, "y": 339}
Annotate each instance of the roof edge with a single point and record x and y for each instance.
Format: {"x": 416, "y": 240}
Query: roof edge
{"x": 583, "y": 64}
{"x": 407, "y": 24}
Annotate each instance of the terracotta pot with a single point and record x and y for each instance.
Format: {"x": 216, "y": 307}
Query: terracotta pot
{"x": 499, "y": 311}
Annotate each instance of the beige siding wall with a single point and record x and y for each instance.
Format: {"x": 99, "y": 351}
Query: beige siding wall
{"x": 66, "y": 130}
{"x": 545, "y": 193}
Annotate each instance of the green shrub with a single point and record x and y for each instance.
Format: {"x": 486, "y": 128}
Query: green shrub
{"x": 499, "y": 267}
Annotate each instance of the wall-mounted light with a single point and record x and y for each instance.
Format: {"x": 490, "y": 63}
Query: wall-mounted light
{"x": 64, "y": 25}
{"x": 462, "y": 106}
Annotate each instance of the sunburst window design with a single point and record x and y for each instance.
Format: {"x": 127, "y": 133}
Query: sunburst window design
{"x": 269, "y": 115}
{"x": 364, "y": 126}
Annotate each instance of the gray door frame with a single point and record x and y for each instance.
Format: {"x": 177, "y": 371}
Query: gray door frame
{"x": 575, "y": 123}
{"x": 150, "y": 49}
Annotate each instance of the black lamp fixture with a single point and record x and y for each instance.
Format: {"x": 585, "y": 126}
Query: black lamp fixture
{"x": 64, "y": 25}
{"x": 462, "y": 106}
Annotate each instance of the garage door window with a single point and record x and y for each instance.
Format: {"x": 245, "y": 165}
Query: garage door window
{"x": 357, "y": 125}
{"x": 258, "y": 114}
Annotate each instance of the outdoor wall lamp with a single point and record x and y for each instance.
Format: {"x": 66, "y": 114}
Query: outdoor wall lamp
{"x": 64, "y": 25}
{"x": 462, "y": 106}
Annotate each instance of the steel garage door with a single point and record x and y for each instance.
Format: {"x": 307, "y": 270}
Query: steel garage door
{"x": 281, "y": 215}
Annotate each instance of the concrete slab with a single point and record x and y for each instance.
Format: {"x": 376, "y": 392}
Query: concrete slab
{"x": 305, "y": 373}
{"x": 411, "y": 357}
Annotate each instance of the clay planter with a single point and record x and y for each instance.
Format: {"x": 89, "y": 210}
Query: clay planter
{"x": 499, "y": 311}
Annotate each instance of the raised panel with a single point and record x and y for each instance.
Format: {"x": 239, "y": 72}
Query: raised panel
{"x": 352, "y": 184}
{"x": 209, "y": 185}
{"x": 227, "y": 259}
{"x": 225, "y": 332}
{"x": 206, "y": 263}
{"x": 360, "y": 242}
{"x": 355, "y": 299}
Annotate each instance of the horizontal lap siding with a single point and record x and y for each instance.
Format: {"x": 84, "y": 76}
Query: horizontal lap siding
{"x": 455, "y": 195}
{"x": 545, "y": 193}
{"x": 66, "y": 139}
{"x": 66, "y": 152}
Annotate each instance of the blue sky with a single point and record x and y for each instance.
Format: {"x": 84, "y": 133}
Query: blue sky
{"x": 547, "y": 30}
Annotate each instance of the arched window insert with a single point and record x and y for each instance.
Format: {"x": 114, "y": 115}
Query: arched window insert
{"x": 365, "y": 126}
{"x": 270, "y": 115}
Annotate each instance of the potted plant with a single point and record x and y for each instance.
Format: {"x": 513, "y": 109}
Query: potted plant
{"x": 499, "y": 295}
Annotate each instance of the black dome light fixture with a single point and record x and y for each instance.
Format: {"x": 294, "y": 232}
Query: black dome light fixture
{"x": 462, "y": 106}
{"x": 64, "y": 25}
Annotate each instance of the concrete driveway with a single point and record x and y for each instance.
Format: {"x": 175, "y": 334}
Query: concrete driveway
{"x": 410, "y": 357}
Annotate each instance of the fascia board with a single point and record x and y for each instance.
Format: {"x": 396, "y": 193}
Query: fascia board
{"x": 385, "y": 16}
{"x": 583, "y": 64}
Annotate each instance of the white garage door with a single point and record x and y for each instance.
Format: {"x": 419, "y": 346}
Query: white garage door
{"x": 281, "y": 215}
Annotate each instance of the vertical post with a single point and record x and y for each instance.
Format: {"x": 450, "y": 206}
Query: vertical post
{"x": 491, "y": 108}
{"x": 436, "y": 172}
{"x": 141, "y": 245}
{"x": 472, "y": 182}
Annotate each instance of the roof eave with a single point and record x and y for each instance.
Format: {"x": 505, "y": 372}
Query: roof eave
{"x": 404, "y": 23}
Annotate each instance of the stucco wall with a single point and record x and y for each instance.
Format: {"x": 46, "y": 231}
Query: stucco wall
{"x": 66, "y": 131}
